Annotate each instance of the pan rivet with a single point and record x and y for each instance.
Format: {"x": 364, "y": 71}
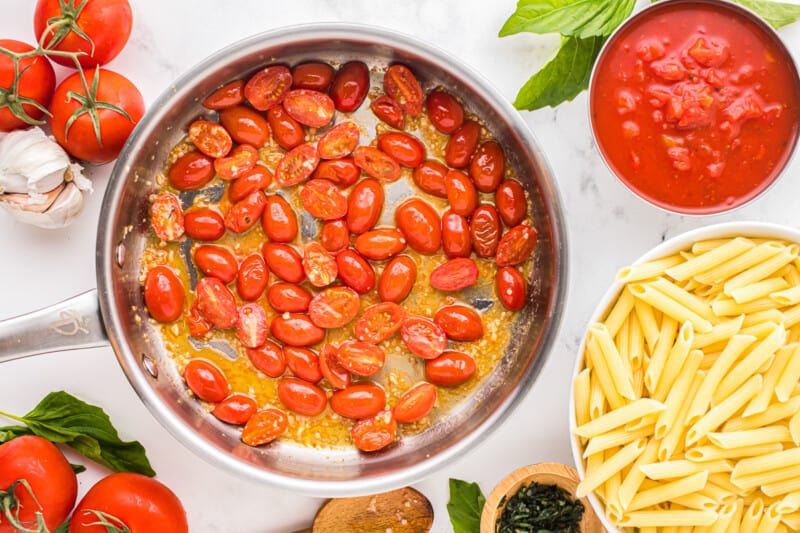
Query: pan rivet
{"x": 150, "y": 365}
{"x": 121, "y": 255}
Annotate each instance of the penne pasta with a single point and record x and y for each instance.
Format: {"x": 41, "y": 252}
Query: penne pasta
{"x": 789, "y": 503}
{"x": 615, "y": 438}
{"x": 582, "y": 390}
{"x": 683, "y": 468}
{"x": 720, "y": 413}
{"x": 635, "y": 477}
{"x": 751, "y": 516}
{"x": 770, "y": 519}
{"x": 674, "y": 440}
{"x": 620, "y": 373}
{"x": 747, "y": 367}
{"x": 651, "y": 269}
{"x": 774, "y": 413}
{"x": 670, "y": 306}
{"x": 666, "y": 338}
{"x": 790, "y": 296}
{"x": 675, "y": 359}
{"x": 648, "y": 322}
{"x": 720, "y": 332}
{"x": 762, "y": 269}
{"x": 696, "y": 500}
{"x": 765, "y": 478}
{"x": 599, "y": 367}
{"x": 740, "y": 263}
{"x": 677, "y": 393}
{"x": 763, "y": 288}
{"x": 713, "y": 258}
{"x": 636, "y": 349}
{"x": 712, "y": 453}
{"x": 729, "y": 307}
{"x": 609, "y": 467}
{"x": 668, "y": 518}
{"x": 619, "y": 417}
{"x": 789, "y": 377}
{"x": 792, "y": 520}
{"x": 782, "y": 487}
{"x": 619, "y": 312}
{"x": 725, "y": 513}
{"x": 668, "y": 491}
{"x": 752, "y": 437}
{"x": 683, "y": 297}
{"x": 794, "y": 428}
{"x": 772, "y": 461}
{"x": 762, "y": 400}
{"x": 770, "y": 315}
{"x": 597, "y": 400}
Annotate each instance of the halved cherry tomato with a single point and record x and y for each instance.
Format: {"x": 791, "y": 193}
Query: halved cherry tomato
{"x": 198, "y": 326}
{"x": 342, "y": 172}
{"x": 511, "y": 204}
{"x": 163, "y": 294}
{"x": 215, "y": 302}
{"x": 430, "y": 177}
{"x": 268, "y": 358}
{"x": 236, "y": 409}
{"x": 423, "y": 337}
{"x": 379, "y": 322}
{"x": 251, "y": 326}
{"x": 245, "y": 125}
{"x": 416, "y": 403}
{"x": 257, "y": 178}
{"x": 419, "y": 222}
{"x": 355, "y": 271}
{"x": 287, "y": 131}
{"x": 301, "y": 396}
{"x": 245, "y": 213}
{"x": 228, "y": 95}
{"x": 511, "y": 288}
{"x": 456, "y": 240}
{"x": 166, "y": 217}
{"x": 376, "y": 163}
{"x": 319, "y": 265}
{"x": 264, "y": 426}
{"x": 203, "y": 224}
{"x": 484, "y": 228}
{"x": 252, "y": 278}
{"x": 216, "y": 261}
{"x": 315, "y": 76}
{"x": 241, "y": 160}
{"x": 459, "y": 322}
{"x": 381, "y": 243}
{"x": 279, "y": 220}
{"x": 334, "y": 236}
{"x": 303, "y": 363}
{"x": 462, "y": 144}
{"x": 374, "y": 433}
{"x": 361, "y": 400}
{"x": 350, "y": 86}
{"x": 210, "y": 138}
{"x": 517, "y": 245}
{"x": 334, "y": 373}
{"x": 334, "y": 307}
{"x": 461, "y": 193}
{"x": 296, "y": 330}
{"x": 284, "y": 261}
{"x": 450, "y": 369}
{"x": 312, "y": 108}
{"x": 191, "y": 171}
{"x": 324, "y": 200}
{"x": 402, "y": 147}
{"x": 288, "y": 298}
{"x": 397, "y": 279}
{"x": 297, "y": 165}
{"x": 206, "y": 380}
{"x": 444, "y": 111}
{"x": 268, "y": 87}
{"x": 364, "y": 206}
{"x": 455, "y": 274}
{"x": 401, "y": 84}
{"x": 488, "y": 167}
{"x": 339, "y": 141}
{"x": 361, "y": 358}
{"x": 389, "y": 111}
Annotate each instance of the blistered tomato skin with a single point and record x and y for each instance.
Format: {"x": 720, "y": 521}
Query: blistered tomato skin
{"x": 444, "y": 111}
{"x": 364, "y": 206}
{"x": 245, "y": 125}
{"x": 487, "y": 167}
{"x": 303, "y": 363}
{"x": 296, "y": 330}
{"x": 361, "y": 358}
{"x": 403, "y": 148}
{"x": 377, "y": 164}
{"x": 334, "y": 307}
{"x": 287, "y": 131}
{"x": 419, "y": 222}
{"x": 268, "y": 87}
{"x": 244, "y": 214}
{"x": 203, "y": 224}
{"x": 484, "y": 229}
{"x": 517, "y": 245}
{"x": 455, "y": 274}
{"x": 264, "y": 427}
{"x": 215, "y": 303}
{"x": 450, "y": 369}
{"x": 334, "y": 373}
{"x": 315, "y": 76}
{"x": 381, "y": 243}
{"x": 251, "y": 325}
{"x": 163, "y": 294}
{"x": 401, "y": 84}
{"x": 257, "y": 178}
{"x": 375, "y": 433}
{"x": 389, "y": 111}
{"x": 416, "y": 403}
{"x": 288, "y": 298}
{"x": 343, "y": 172}
{"x": 350, "y": 86}
{"x": 191, "y": 171}
{"x": 297, "y": 165}
{"x": 423, "y": 337}
{"x": 228, "y": 95}
{"x": 312, "y": 108}
{"x": 284, "y": 261}
{"x": 459, "y": 322}
{"x": 210, "y": 138}
{"x": 335, "y": 235}
{"x": 461, "y": 193}
{"x": 268, "y": 358}
{"x": 339, "y": 141}
{"x": 166, "y": 217}
{"x": 319, "y": 265}
{"x": 359, "y": 401}
{"x": 206, "y": 381}
{"x": 511, "y": 203}
{"x": 216, "y": 261}
{"x": 379, "y": 322}
{"x": 279, "y": 220}
{"x": 198, "y": 326}
{"x": 511, "y": 288}
{"x": 462, "y": 144}
{"x": 240, "y": 161}
{"x": 302, "y": 397}
{"x": 397, "y": 279}
{"x": 430, "y": 177}
{"x": 236, "y": 409}
{"x": 456, "y": 239}
{"x": 324, "y": 200}
{"x": 252, "y": 278}
{"x": 355, "y": 271}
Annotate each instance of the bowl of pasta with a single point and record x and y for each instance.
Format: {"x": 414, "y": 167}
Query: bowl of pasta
{"x": 685, "y": 405}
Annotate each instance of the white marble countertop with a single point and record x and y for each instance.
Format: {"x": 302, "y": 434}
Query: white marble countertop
{"x": 607, "y": 228}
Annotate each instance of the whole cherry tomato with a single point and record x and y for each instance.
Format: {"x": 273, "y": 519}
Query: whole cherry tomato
{"x": 455, "y": 274}
{"x": 284, "y": 261}
{"x": 191, "y": 171}
{"x": 461, "y": 193}
{"x": 444, "y": 111}
{"x": 484, "y": 228}
{"x": 397, "y": 279}
{"x": 236, "y": 409}
{"x": 268, "y": 358}
{"x": 361, "y": 358}
{"x": 279, "y": 220}
{"x": 364, "y": 206}
{"x": 361, "y": 400}
{"x": 303, "y": 363}
{"x": 312, "y": 108}
{"x": 264, "y": 427}
{"x": 37, "y": 80}
{"x": 245, "y": 125}
{"x": 419, "y": 222}
{"x": 355, "y": 271}
{"x": 288, "y": 298}
{"x": 216, "y": 261}
{"x": 206, "y": 380}
{"x": 423, "y": 337}
{"x": 374, "y": 433}
{"x": 488, "y": 167}
{"x": 229, "y": 95}
{"x": 252, "y": 278}
{"x": 163, "y": 294}
{"x": 511, "y": 288}
{"x": 166, "y": 217}
{"x": 297, "y": 165}
{"x": 324, "y": 200}
{"x": 456, "y": 239}
{"x": 335, "y": 235}
{"x": 339, "y": 141}
{"x": 402, "y": 147}
{"x": 301, "y": 396}
{"x": 319, "y": 265}
{"x": 287, "y": 131}
{"x": 314, "y": 75}
{"x": 511, "y": 204}
{"x": 268, "y": 87}
{"x": 517, "y": 245}
{"x": 215, "y": 302}
{"x": 342, "y": 172}
{"x": 210, "y": 138}
{"x": 350, "y": 86}
{"x": 416, "y": 403}
{"x": 430, "y": 177}
{"x": 244, "y": 214}
{"x": 241, "y": 160}
{"x": 334, "y": 373}
{"x": 296, "y": 330}
{"x": 376, "y": 163}
{"x": 379, "y": 322}
{"x": 450, "y": 369}
{"x": 334, "y": 307}
{"x": 462, "y": 144}
{"x": 257, "y": 178}
{"x": 459, "y": 322}
{"x": 197, "y": 324}
{"x": 251, "y": 326}
{"x": 401, "y": 84}
{"x": 389, "y": 111}
{"x": 381, "y": 243}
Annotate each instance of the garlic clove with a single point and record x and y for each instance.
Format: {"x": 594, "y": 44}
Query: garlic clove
{"x": 67, "y": 205}
{"x": 36, "y": 204}
{"x": 30, "y": 162}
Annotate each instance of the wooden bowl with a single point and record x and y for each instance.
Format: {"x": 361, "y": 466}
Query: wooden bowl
{"x": 563, "y": 476}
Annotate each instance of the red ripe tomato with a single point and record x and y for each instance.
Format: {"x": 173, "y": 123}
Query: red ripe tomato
{"x": 251, "y": 326}
{"x": 315, "y": 76}
{"x": 389, "y": 111}
{"x": 364, "y": 206}
{"x": 517, "y": 245}
{"x": 455, "y": 274}
{"x": 342, "y": 172}
{"x": 488, "y": 167}
{"x": 401, "y": 84}
{"x": 296, "y": 330}
{"x": 302, "y": 397}
{"x": 210, "y": 138}
{"x": 484, "y": 228}
{"x": 257, "y": 178}
{"x": 450, "y": 369}
{"x": 402, "y": 147}
{"x": 198, "y": 326}
{"x": 319, "y": 265}
{"x": 245, "y": 125}
{"x": 37, "y": 82}
{"x": 215, "y": 302}
{"x": 511, "y": 204}
{"x": 334, "y": 373}
{"x": 287, "y": 131}
{"x": 100, "y": 29}
{"x": 459, "y": 322}
{"x": 456, "y": 240}
{"x": 461, "y": 193}
{"x": 288, "y": 298}
{"x": 163, "y": 294}
{"x": 381, "y": 243}
{"x": 397, "y": 279}
{"x": 355, "y": 271}
{"x": 297, "y": 165}
{"x": 339, "y": 141}
{"x": 53, "y": 485}
{"x": 191, "y": 171}
{"x": 284, "y": 261}
{"x": 245, "y": 213}
{"x": 236, "y": 409}
{"x": 444, "y": 111}
{"x": 511, "y": 288}
{"x": 203, "y": 224}
{"x": 416, "y": 403}
{"x": 264, "y": 427}
{"x": 420, "y": 224}
{"x": 361, "y": 358}
{"x": 350, "y": 86}
{"x": 303, "y": 363}
{"x": 462, "y": 144}
{"x": 334, "y": 307}
{"x": 206, "y": 380}
{"x": 268, "y": 87}
{"x": 376, "y": 163}
{"x": 241, "y": 160}
{"x": 430, "y": 177}
{"x": 216, "y": 261}
{"x": 312, "y": 108}
{"x": 324, "y": 200}
{"x": 81, "y": 139}
{"x": 361, "y": 400}
{"x": 141, "y": 504}
{"x": 252, "y": 278}
{"x": 229, "y": 95}
{"x": 279, "y": 220}
{"x": 334, "y": 236}
{"x": 374, "y": 433}
{"x": 423, "y": 337}
{"x": 379, "y": 322}
{"x": 268, "y": 358}
{"x": 166, "y": 217}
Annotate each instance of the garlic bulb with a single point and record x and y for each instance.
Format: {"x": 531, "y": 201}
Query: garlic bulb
{"x": 39, "y": 184}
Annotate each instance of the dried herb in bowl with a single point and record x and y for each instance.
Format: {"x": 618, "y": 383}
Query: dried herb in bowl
{"x": 540, "y": 508}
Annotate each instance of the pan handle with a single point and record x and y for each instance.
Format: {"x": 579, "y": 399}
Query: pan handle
{"x": 72, "y": 324}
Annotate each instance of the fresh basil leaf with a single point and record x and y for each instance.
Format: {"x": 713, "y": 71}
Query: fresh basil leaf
{"x": 63, "y": 528}
{"x": 465, "y": 506}
{"x": 77, "y": 468}
{"x": 778, "y": 14}
{"x": 564, "y": 77}
{"x": 577, "y": 18}
{"x": 12, "y": 432}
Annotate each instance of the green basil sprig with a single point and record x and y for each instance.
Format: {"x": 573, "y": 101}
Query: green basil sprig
{"x": 465, "y": 506}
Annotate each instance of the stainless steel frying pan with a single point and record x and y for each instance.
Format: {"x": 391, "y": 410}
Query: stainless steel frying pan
{"x": 121, "y": 318}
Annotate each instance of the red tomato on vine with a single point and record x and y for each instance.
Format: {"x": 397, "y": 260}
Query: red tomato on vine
{"x": 25, "y": 101}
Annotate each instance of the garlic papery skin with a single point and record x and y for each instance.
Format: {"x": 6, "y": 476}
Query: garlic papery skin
{"x": 66, "y": 206}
